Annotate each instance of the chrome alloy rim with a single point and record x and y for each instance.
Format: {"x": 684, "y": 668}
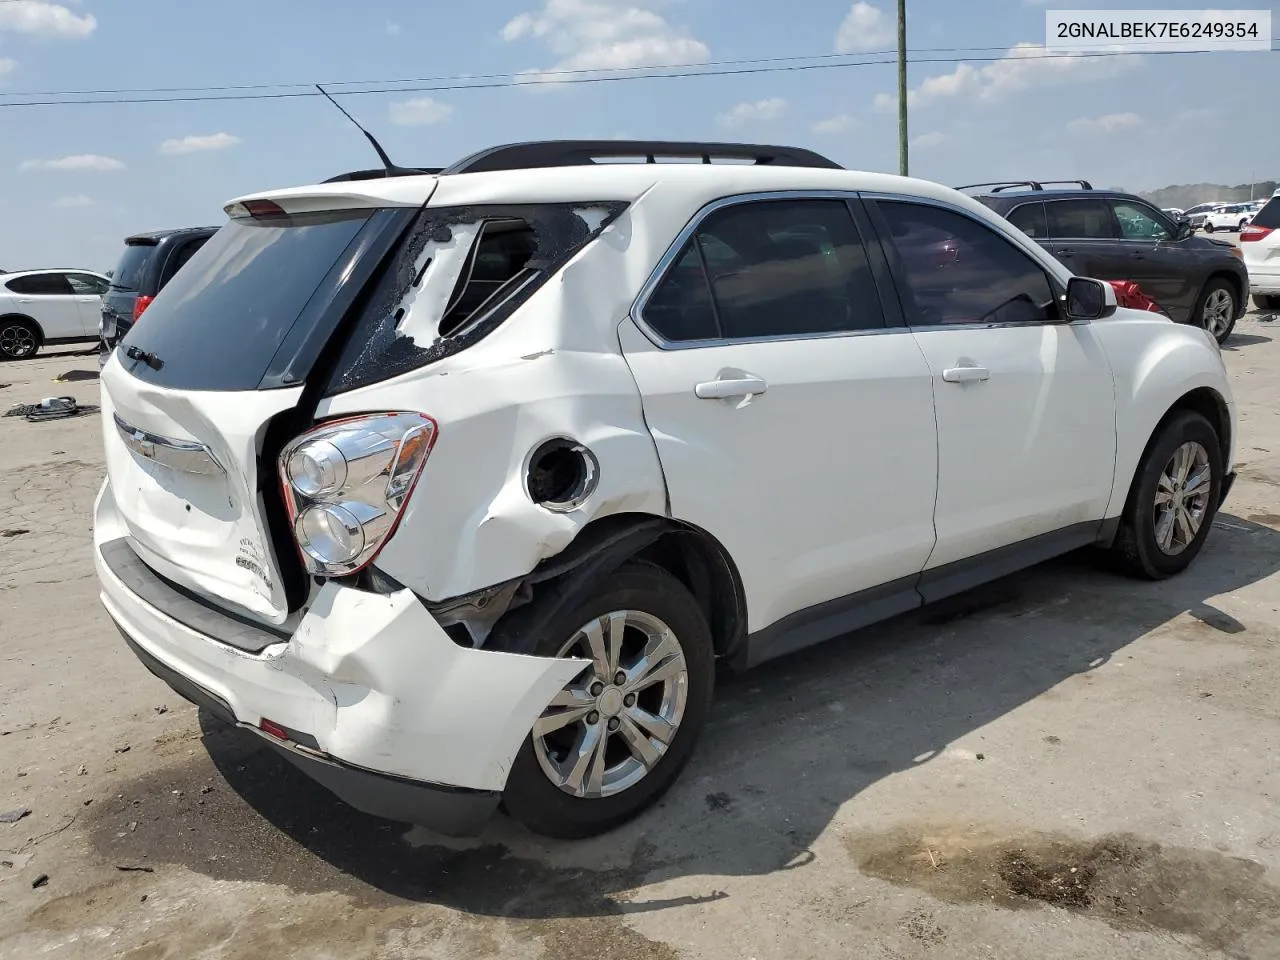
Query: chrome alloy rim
{"x": 17, "y": 341}
{"x": 611, "y": 725}
{"x": 1182, "y": 498}
{"x": 1217, "y": 312}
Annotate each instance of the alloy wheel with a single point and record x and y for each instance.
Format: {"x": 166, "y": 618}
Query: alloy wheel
{"x": 1217, "y": 314}
{"x": 1182, "y": 498}
{"x": 17, "y": 341}
{"x": 605, "y": 731}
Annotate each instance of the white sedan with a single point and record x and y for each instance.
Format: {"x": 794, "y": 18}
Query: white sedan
{"x": 39, "y": 307}
{"x": 1232, "y": 216}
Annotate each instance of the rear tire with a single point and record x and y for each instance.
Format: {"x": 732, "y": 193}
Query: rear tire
{"x": 1208, "y": 228}
{"x": 1153, "y": 541}
{"x": 1215, "y": 311}
{"x": 624, "y": 785}
{"x": 20, "y": 338}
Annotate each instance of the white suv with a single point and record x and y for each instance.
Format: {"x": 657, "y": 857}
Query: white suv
{"x": 1260, "y": 244}
{"x": 1232, "y": 216}
{"x": 40, "y": 307}
{"x": 454, "y": 488}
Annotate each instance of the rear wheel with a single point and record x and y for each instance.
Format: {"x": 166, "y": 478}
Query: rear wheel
{"x": 615, "y": 739}
{"x": 1173, "y": 500}
{"x": 1243, "y": 224}
{"x": 1208, "y": 227}
{"x": 19, "y": 338}
{"x": 1216, "y": 310}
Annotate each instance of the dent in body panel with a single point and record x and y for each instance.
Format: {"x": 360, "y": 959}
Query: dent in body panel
{"x": 552, "y": 369}
{"x": 1154, "y": 364}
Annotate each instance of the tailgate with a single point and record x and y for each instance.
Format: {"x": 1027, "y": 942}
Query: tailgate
{"x": 184, "y": 473}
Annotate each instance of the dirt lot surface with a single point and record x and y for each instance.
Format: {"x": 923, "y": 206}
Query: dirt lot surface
{"x": 1062, "y": 765}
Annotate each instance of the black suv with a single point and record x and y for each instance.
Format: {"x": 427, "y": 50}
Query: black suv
{"x": 1116, "y": 236}
{"x": 149, "y": 262}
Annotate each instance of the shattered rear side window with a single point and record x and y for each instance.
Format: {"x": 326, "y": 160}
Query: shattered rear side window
{"x": 456, "y": 276}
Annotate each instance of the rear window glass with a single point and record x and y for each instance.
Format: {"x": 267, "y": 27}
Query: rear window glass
{"x": 458, "y": 274}
{"x": 1268, "y": 216}
{"x": 219, "y": 322}
{"x": 128, "y": 272}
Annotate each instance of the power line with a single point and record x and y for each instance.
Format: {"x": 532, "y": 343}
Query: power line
{"x": 507, "y": 81}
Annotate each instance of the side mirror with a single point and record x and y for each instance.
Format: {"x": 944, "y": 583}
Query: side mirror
{"x": 1089, "y": 299}
{"x": 1184, "y": 229}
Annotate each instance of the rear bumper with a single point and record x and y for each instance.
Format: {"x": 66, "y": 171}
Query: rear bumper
{"x": 1264, "y": 279}
{"x": 450, "y": 810}
{"x": 382, "y": 707}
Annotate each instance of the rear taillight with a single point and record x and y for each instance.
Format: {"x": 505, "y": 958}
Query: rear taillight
{"x": 1253, "y": 233}
{"x": 346, "y": 483}
{"x": 140, "y": 305}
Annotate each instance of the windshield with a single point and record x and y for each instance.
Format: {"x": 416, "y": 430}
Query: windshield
{"x": 219, "y": 322}
{"x": 128, "y": 272}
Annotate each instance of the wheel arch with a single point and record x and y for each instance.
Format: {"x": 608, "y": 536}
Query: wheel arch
{"x": 688, "y": 553}
{"x": 13, "y": 315}
{"x": 1238, "y": 286}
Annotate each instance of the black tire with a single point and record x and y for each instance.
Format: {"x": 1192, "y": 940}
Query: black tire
{"x": 1135, "y": 547}
{"x": 530, "y": 797}
{"x": 1214, "y": 286}
{"x": 1266, "y": 301}
{"x": 1243, "y": 224}
{"x": 20, "y": 338}
{"x": 1208, "y": 227}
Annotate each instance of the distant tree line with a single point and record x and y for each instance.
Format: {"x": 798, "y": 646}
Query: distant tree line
{"x": 1186, "y": 195}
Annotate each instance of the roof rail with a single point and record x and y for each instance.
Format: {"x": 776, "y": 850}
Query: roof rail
{"x": 999, "y": 185}
{"x": 576, "y": 153}
{"x": 380, "y": 173}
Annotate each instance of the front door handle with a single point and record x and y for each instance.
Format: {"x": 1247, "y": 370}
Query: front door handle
{"x": 729, "y": 389}
{"x": 966, "y": 374}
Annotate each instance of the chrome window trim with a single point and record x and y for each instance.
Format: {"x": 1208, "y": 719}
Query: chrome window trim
{"x": 185, "y": 456}
{"x": 659, "y": 272}
{"x": 1015, "y": 237}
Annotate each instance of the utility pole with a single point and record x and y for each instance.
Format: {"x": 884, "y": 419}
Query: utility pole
{"x": 902, "y": 87}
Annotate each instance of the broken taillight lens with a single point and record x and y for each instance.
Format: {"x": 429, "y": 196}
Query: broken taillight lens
{"x": 346, "y": 483}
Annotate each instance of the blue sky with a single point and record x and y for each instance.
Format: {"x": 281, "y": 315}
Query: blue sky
{"x": 75, "y": 179}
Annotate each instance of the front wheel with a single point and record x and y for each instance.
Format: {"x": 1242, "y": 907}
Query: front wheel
{"x": 19, "y": 338}
{"x": 1216, "y": 311}
{"x": 1208, "y": 228}
{"x": 1173, "y": 500}
{"x": 616, "y": 738}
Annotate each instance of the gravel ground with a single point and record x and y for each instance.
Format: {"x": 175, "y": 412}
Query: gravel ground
{"x": 1061, "y": 765}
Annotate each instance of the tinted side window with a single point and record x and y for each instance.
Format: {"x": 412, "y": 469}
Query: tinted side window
{"x": 85, "y": 284}
{"x": 1138, "y": 222}
{"x": 960, "y": 271}
{"x": 42, "y": 285}
{"x": 132, "y": 265}
{"x": 1080, "y": 220}
{"x": 1030, "y": 219}
{"x": 180, "y": 257}
{"x": 680, "y": 308}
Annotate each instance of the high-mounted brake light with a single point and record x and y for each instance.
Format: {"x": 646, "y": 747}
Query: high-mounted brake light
{"x": 1254, "y": 233}
{"x": 346, "y": 484}
{"x": 255, "y": 208}
{"x": 139, "y": 305}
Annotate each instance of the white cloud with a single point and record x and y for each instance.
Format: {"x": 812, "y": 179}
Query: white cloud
{"x": 927, "y": 141}
{"x": 199, "y": 144}
{"x": 42, "y": 19}
{"x": 1110, "y": 123}
{"x": 82, "y": 161}
{"x": 419, "y": 111}
{"x": 393, "y": 29}
{"x": 74, "y": 203}
{"x": 866, "y": 28}
{"x": 837, "y": 124}
{"x": 1024, "y": 66}
{"x": 603, "y": 35}
{"x": 753, "y": 112}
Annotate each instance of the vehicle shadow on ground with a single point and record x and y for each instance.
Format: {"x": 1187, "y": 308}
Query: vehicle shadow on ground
{"x": 788, "y": 745}
{"x": 1237, "y": 340}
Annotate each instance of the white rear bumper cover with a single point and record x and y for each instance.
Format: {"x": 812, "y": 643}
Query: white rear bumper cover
{"x": 373, "y": 678}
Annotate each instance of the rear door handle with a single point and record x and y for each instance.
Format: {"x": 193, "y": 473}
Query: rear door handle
{"x": 966, "y": 374}
{"x": 728, "y": 389}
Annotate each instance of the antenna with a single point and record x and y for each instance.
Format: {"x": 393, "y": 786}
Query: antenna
{"x": 392, "y": 169}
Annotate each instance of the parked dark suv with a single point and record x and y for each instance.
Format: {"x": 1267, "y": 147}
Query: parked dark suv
{"x": 149, "y": 262}
{"x": 1116, "y": 236}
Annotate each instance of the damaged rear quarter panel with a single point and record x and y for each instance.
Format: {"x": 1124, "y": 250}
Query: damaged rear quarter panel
{"x": 552, "y": 369}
